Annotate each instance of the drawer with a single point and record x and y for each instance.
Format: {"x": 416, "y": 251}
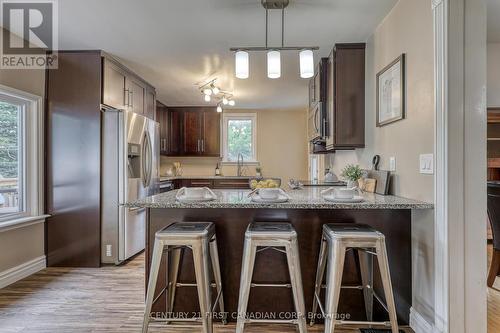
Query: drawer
{"x": 198, "y": 183}
{"x": 231, "y": 184}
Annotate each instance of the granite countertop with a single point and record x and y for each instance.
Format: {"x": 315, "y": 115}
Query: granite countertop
{"x": 165, "y": 178}
{"x": 307, "y": 198}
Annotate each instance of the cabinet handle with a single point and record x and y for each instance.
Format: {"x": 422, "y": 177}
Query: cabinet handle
{"x": 200, "y": 183}
{"x": 126, "y": 97}
{"x": 198, "y": 147}
{"x": 203, "y": 145}
{"x": 166, "y": 145}
{"x": 324, "y": 128}
{"x": 132, "y": 99}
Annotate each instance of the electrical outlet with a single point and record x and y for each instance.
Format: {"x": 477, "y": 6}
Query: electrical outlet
{"x": 392, "y": 163}
{"x": 427, "y": 164}
{"x": 108, "y": 250}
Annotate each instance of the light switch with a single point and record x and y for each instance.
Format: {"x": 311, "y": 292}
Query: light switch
{"x": 427, "y": 164}
{"x": 392, "y": 164}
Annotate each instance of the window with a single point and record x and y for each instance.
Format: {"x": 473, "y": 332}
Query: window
{"x": 239, "y": 135}
{"x": 20, "y": 151}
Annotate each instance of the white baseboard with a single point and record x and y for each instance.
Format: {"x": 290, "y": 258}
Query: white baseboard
{"x": 419, "y": 324}
{"x": 17, "y": 273}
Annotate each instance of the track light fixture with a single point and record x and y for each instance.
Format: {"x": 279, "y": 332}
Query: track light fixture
{"x": 211, "y": 91}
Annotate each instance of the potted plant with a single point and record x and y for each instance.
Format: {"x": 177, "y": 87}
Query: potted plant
{"x": 352, "y": 173}
{"x": 258, "y": 172}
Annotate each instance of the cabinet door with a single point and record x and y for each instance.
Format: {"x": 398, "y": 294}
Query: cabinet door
{"x": 350, "y": 97}
{"x": 114, "y": 93}
{"x": 192, "y": 132}
{"x": 174, "y": 135}
{"x": 330, "y": 101}
{"x": 162, "y": 119}
{"x": 136, "y": 92}
{"x": 150, "y": 110}
{"x": 210, "y": 145}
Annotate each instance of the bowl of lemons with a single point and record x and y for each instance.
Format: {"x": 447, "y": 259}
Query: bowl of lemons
{"x": 265, "y": 183}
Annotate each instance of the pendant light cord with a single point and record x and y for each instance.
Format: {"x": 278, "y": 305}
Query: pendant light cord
{"x": 267, "y": 20}
{"x": 283, "y": 27}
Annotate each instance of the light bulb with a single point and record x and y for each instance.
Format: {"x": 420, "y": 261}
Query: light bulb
{"x": 207, "y": 98}
{"x": 215, "y": 90}
{"x": 306, "y": 64}
{"x": 219, "y": 108}
{"x": 241, "y": 64}
{"x": 232, "y": 102}
{"x": 207, "y": 91}
{"x": 224, "y": 100}
{"x": 273, "y": 64}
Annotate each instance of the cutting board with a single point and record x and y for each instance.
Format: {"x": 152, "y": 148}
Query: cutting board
{"x": 382, "y": 179}
{"x": 368, "y": 184}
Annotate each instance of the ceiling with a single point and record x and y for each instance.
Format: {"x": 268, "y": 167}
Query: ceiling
{"x": 493, "y": 21}
{"x": 176, "y": 44}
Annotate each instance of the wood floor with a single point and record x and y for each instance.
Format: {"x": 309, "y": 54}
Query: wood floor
{"x": 105, "y": 300}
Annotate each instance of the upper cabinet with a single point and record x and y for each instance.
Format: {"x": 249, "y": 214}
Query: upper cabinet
{"x": 346, "y": 97}
{"x": 124, "y": 90}
{"x": 189, "y": 131}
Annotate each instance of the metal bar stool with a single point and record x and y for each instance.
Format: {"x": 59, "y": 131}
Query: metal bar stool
{"x": 336, "y": 240}
{"x": 260, "y": 237}
{"x": 200, "y": 238}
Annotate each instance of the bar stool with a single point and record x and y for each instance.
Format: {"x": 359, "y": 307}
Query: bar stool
{"x": 336, "y": 240}
{"x": 260, "y": 237}
{"x": 200, "y": 238}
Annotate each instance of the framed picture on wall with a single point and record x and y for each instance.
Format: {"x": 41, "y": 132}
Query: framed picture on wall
{"x": 391, "y": 92}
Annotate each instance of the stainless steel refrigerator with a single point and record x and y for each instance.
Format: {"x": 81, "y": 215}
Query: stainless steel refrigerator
{"x": 130, "y": 171}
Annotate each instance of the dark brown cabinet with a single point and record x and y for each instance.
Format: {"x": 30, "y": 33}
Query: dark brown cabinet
{"x": 346, "y": 97}
{"x": 189, "y": 131}
{"x": 124, "y": 90}
{"x": 75, "y": 91}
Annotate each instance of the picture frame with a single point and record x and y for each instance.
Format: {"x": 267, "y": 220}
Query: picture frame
{"x": 391, "y": 92}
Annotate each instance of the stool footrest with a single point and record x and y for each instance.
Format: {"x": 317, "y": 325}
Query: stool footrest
{"x": 271, "y": 321}
{"x": 352, "y": 322}
{"x": 270, "y": 248}
{"x": 181, "y": 284}
{"x": 272, "y": 285}
{"x": 173, "y": 320}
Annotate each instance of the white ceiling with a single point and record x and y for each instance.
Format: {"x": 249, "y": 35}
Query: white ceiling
{"x": 175, "y": 44}
{"x": 493, "y": 21}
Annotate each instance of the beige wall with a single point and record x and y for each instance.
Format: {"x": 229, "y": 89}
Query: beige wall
{"x": 493, "y": 74}
{"x": 24, "y": 244}
{"x": 407, "y": 29}
{"x": 281, "y": 148}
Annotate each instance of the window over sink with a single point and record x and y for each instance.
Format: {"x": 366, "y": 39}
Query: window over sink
{"x": 239, "y": 135}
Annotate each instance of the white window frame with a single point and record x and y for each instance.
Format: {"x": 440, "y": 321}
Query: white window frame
{"x": 226, "y": 117}
{"x": 32, "y": 142}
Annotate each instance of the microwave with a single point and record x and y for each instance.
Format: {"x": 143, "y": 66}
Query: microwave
{"x": 316, "y": 124}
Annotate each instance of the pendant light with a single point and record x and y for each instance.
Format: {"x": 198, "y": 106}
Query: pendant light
{"x": 273, "y": 52}
{"x": 219, "y": 108}
{"x": 273, "y": 64}
{"x": 232, "y": 102}
{"x": 207, "y": 98}
{"x": 241, "y": 67}
{"x": 306, "y": 64}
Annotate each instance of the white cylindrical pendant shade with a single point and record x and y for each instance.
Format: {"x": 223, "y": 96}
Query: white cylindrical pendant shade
{"x": 207, "y": 98}
{"x": 306, "y": 64}
{"x": 273, "y": 64}
{"x": 232, "y": 102}
{"x": 241, "y": 64}
{"x": 219, "y": 108}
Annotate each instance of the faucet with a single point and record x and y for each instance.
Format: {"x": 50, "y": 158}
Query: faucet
{"x": 240, "y": 164}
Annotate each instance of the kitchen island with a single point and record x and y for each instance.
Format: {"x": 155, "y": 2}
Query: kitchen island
{"x": 307, "y": 211}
